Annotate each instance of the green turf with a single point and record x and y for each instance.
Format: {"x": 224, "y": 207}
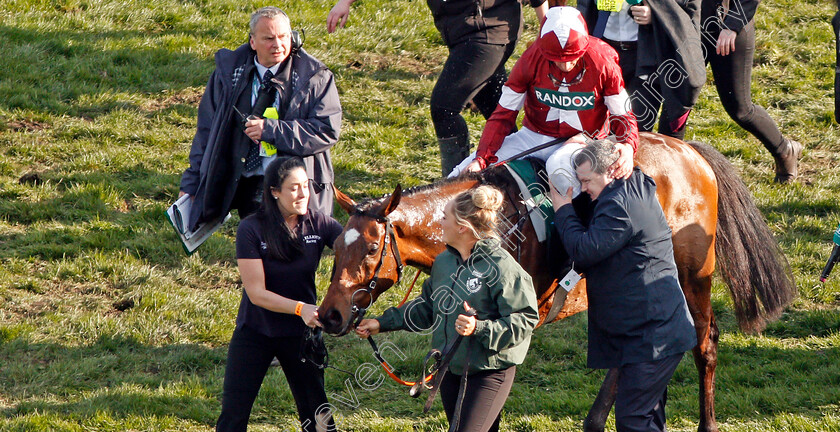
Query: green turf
{"x": 106, "y": 325}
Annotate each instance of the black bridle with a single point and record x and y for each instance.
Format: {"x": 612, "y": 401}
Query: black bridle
{"x": 390, "y": 238}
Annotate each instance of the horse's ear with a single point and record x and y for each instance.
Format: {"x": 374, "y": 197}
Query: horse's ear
{"x": 344, "y": 201}
{"x": 393, "y": 202}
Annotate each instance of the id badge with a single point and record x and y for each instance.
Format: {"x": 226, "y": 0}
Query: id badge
{"x": 267, "y": 150}
{"x": 610, "y": 5}
{"x": 570, "y": 280}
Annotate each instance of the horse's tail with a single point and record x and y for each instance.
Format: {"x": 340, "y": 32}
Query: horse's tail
{"x": 751, "y": 262}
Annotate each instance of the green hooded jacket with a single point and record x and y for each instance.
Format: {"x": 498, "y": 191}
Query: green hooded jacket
{"x": 491, "y": 282}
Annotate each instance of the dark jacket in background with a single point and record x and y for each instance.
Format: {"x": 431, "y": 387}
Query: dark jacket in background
{"x": 309, "y": 128}
{"x": 487, "y": 21}
{"x": 589, "y": 10}
{"x": 637, "y": 311}
{"x": 732, "y": 14}
{"x": 671, "y": 48}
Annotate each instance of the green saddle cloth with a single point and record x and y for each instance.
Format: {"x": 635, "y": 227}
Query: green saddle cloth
{"x": 534, "y": 192}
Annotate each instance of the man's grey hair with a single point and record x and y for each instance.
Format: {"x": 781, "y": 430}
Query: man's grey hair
{"x": 600, "y": 154}
{"x": 269, "y": 12}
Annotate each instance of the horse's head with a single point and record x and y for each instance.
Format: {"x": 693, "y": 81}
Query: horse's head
{"x": 365, "y": 262}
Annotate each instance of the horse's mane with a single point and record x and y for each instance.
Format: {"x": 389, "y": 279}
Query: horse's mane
{"x": 369, "y": 204}
{"x": 496, "y": 176}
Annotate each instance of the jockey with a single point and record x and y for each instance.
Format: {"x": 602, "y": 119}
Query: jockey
{"x": 571, "y": 87}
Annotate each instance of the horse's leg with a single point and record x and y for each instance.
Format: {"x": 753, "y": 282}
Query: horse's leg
{"x": 597, "y": 417}
{"x": 698, "y": 295}
{"x": 705, "y": 358}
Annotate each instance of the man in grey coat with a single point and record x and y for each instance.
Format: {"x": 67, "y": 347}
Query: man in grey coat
{"x": 639, "y": 321}
{"x": 267, "y": 97}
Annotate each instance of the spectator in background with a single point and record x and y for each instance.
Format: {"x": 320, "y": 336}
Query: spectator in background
{"x": 729, "y": 46}
{"x": 295, "y": 103}
{"x": 668, "y": 72}
{"x": 620, "y": 30}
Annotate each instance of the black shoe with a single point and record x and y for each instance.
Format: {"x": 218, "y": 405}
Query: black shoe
{"x": 787, "y": 161}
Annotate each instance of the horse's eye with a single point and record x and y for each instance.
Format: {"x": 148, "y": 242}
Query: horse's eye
{"x": 372, "y": 249}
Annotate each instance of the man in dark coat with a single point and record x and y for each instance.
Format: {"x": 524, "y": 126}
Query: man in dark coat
{"x": 298, "y": 114}
{"x": 639, "y": 321}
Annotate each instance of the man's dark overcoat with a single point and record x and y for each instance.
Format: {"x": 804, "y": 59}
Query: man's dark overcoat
{"x": 308, "y": 129}
{"x": 637, "y": 311}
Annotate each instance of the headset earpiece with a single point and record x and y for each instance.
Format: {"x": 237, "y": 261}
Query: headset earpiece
{"x": 297, "y": 40}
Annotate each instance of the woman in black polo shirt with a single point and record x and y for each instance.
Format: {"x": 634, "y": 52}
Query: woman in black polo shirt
{"x": 278, "y": 250}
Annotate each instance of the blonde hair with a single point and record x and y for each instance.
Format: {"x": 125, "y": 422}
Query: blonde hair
{"x": 478, "y": 209}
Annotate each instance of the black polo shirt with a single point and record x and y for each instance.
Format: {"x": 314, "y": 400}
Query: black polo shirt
{"x": 294, "y": 279}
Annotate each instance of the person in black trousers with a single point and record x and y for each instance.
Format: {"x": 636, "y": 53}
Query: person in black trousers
{"x": 729, "y": 46}
{"x": 481, "y": 37}
{"x": 277, "y": 251}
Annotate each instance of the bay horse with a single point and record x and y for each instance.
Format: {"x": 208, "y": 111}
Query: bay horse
{"x": 710, "y": 211}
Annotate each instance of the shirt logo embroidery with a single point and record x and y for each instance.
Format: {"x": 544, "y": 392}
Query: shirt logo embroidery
{"x": 311, "y": 238}
{"x": 570, "y": 101}
{"x": 473, "y": 285}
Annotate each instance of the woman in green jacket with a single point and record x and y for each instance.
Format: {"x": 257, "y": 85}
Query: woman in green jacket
{"x": 474, "y": 272}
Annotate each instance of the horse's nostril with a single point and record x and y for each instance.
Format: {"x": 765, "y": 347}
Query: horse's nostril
{"x": 331, "y": 320}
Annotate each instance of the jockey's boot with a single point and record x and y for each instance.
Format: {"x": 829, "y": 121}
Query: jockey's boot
{"x": 453, "y": 150}
{"x": 787, "y": 159}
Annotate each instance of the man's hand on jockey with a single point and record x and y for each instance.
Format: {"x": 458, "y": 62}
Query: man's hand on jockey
{"x": 576, "y": 139}
{"x": 623, "y": 166}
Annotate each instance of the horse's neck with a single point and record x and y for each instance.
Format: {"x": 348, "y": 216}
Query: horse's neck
{"x": 418, "y": 216}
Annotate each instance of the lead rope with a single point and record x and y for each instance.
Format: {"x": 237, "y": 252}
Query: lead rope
{"x": 407, "y": 293}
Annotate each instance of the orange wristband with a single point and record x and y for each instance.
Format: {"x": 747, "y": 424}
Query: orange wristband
{"x": 298, "y": 308}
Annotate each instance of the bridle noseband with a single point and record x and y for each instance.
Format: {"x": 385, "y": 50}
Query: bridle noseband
{"x": 389, "y": 239}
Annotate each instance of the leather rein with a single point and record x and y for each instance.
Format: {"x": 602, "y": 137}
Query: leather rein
{"x": 390, "y": 238}
{"x": 389, "y": 241}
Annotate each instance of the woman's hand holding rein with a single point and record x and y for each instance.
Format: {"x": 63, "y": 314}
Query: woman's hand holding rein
{"x": 308, "y": 313}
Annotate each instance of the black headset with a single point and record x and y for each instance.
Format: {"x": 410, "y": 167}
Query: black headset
{"x": 298, "y": 37}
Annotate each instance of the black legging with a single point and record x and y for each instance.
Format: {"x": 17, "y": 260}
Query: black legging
{"x": 733, "y": 74}
{"x": 486, "y": 394}
{"x": 249, "y": 355}
{"x": 474, "y": 70}
{"x": 645, "y": 96}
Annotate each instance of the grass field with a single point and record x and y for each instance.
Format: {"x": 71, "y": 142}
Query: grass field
{"x": 106, "y": 325}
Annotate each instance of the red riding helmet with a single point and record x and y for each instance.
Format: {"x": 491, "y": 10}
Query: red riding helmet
{"x": 564, "y": 36}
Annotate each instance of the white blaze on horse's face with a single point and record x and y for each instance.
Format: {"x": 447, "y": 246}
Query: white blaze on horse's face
{"x": 350, "y": 236}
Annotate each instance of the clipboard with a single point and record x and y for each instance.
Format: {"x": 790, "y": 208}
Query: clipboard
{"x": 178, "y": 215}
